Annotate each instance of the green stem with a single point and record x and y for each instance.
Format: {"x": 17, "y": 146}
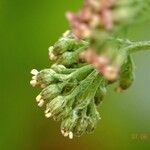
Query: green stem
{"x": 133, "y": 47}
{"x": 83, "y": 70}
{"x": 83, "y": 84}
{"x": 138, "y": 46}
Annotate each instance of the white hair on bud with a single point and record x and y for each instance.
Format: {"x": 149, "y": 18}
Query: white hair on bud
{"x": 50, "y": 48}
{"x": 33, "y": 83}
{"x": 66, "y": 134}
{"x": 41, "y": 102}
{"x": 38, "y": 98}
{"x": 70, "y": 135}
{"x": 47, "y": 110}
{"x": 66, "y": 33}
{"x": 51, "y": 54}
{"x": 48, "y": 115}
{"x": 62, "y": 131}
{"x": 34, "y": 72}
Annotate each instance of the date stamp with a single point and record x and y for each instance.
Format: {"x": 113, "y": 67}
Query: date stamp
{"x": 139, "y": 136}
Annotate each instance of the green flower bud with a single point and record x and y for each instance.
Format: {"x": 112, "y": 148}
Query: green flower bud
{"x": 67, "y": 107}
{"x": 62, "y": 69}
{"x": 92, "y": 122}
{"x": 63, "y": 114}
{"x": 88, "y": 94}
{"x": 93, "y": 117}
{"x": 65, "y": 44}
{"x": 100, "y": 94}
{"x": 52, "y": 91}
{"x": 46, "y": 76}
{"x": 68, "y": 44}
{"x": 68, "y": 58}
{"x": 126, "y": 75}
{"x": 81, "y": 126}
{"x": 56, "y": 105}
{"x": 68, "y": 124}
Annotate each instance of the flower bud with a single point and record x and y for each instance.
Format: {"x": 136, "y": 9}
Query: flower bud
{"x": 65, "y": 44}
{"x": 33, "y": 83}
{"x": 68, "y": 124}
{"x": 81, "y": 126}
{"x": 62, "y": 69}
{"x": 45, "y": 76}
{"x": 126, "y": 75}
{"x": 34, "y": 72}
{"x": 56, "y": 105}
{"x": 100, "y": 94}
{"x": 67, "y": 34}
{"x": 52, "y": 91}
{"x": 93, "y": 117}
{"x": 68, "y": 58}
{"x": 48, "y": 76}
{"x": 95, "y": 21}
{"x": 51, "y": 54}
{"x": 111, "y": 72}
{"x": 48, "y": 115}
{"x": 92, "y": 122}
{"x": 63, "y": 114}
{"x": 85, "y": 14}
{"x": 41, "y": 103}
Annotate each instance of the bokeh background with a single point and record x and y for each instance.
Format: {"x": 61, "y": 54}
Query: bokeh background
{"x": 27, "y": 29}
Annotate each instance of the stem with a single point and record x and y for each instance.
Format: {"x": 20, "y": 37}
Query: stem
{"x": 83, "y": 70}
{"x": 133, "y": 47}
{"x": 83, "y": 84}
{"x": 138, "y": 46}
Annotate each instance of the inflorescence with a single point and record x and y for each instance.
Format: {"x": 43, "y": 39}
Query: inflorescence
{"x": 84, "y": 62}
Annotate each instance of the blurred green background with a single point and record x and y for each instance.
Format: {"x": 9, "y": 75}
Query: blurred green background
{"x": 27, "y": 29}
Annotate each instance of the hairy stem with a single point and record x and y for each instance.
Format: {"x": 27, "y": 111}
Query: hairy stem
{"x": 138, "y": 46}
{"x": 133, "y": 47}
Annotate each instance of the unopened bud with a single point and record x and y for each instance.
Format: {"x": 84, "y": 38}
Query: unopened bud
{"x": 48, "y": 115}
{"x": 33, "y": 83}
{"x": 34, "y": 72}
{"x": 41, "y": 103}
{"x": 70, "y": 135}
{"x": 51, "y": 53}
{"x": 38, "y": 98}
{"x": 111, "y": 73}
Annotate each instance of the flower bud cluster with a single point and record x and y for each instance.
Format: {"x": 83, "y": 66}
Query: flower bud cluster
{"x": 102, "y": 14}
{"x": 97, "y": 20}
{"x": 84, "y": 62}
{"x": 71, "y": 89}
